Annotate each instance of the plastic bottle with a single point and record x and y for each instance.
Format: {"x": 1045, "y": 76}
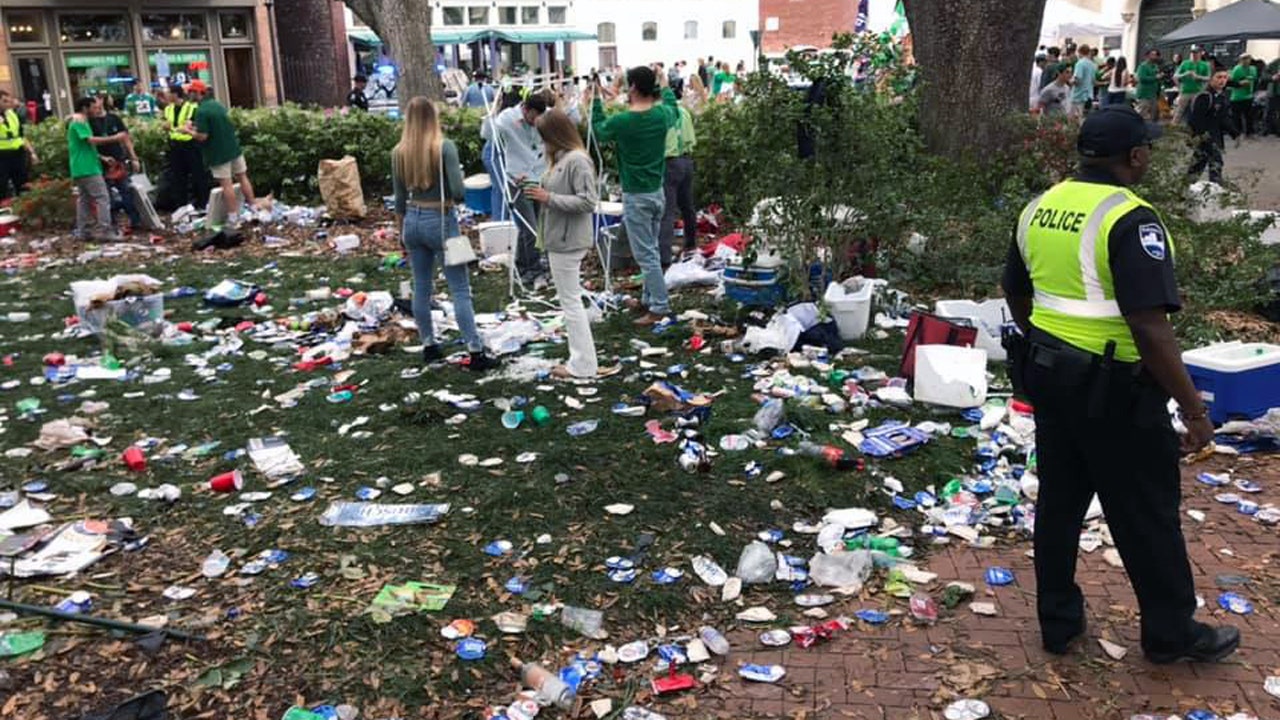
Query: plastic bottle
{"x": 887, "y": 545}
{"x": 215, "y": 565}
{"x": 830, "y": 454}
{"x": 587, "y": 622}
{"x": 714, "y": 640}
{"x": 585, "y": 427}
{"x": 547, "y": 686}
{"x": 769, "y": 416}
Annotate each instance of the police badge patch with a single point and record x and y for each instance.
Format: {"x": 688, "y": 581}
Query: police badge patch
{"x": 1152, "y": 238}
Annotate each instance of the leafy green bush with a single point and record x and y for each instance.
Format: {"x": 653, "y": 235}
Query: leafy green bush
{"x": 284, "y": 146}
{"x": 47, "y": 205}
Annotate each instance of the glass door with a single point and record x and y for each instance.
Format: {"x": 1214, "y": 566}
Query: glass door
{"x": 35, "y": 86}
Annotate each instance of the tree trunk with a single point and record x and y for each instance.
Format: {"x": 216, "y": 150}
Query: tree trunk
{"x": 405, "y": 27}
{"x": 975, "y": 61}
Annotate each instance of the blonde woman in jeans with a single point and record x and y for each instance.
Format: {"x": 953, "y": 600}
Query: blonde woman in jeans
{"x": 424, "y": 210}
{"x": 568, "y": 196}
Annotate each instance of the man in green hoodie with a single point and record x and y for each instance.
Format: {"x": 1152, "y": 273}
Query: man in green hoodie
{"x": 641, "y": 135}
{"x": 1244, "y": 77}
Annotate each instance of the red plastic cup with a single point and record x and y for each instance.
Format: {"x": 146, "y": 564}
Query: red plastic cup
{"x": 55, "y": 359}
{"x": 134, "y": 459}
{"x": 186, "y": 327}
{"x": 226, "y": 482}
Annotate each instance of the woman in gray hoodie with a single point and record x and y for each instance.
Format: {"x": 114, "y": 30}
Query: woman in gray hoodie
{"x": 568, "y": 194}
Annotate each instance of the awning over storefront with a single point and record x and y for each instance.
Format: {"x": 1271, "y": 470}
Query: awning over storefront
{"x": 446, "y": 36}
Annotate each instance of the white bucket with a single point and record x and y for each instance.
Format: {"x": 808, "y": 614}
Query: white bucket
{"x": 497, "y": 238}
{"x": 951, "y": 376}
{"x": 850, "y": 310}
{"x": 988, "y": 316}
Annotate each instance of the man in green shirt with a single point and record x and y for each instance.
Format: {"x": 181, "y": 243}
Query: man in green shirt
{"x": 1244, "y": 78}
{"x": 141, "y": 103}
{"x": 641, "y": 135}
{"x": 1147, "y": 91}
{"x": 1192, "y": 75}
{"x": 94, "y": 202}
{"x": 679, "y": 187}
{"x": 212, "y": 128}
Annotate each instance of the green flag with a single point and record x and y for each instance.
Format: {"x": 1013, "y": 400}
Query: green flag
{"x": 899, "y": 26}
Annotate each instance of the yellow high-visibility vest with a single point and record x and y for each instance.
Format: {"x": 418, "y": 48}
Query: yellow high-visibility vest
{"x": 11, "y": 131}
{"x": 1063, "y": 237}
{"x": 183, "y": 117}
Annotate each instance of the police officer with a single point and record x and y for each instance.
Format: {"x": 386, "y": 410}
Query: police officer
{"x": 1090, "y": 282}
{"x": 187, "y": 172}
{"x": 14, "y": 148}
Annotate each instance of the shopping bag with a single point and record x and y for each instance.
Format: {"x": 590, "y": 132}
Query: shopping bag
{"x": 340, "y": 188}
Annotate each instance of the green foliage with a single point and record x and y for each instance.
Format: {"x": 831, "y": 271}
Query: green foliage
{"x": 47, "y": 204}
{"x": 284, "y": 146}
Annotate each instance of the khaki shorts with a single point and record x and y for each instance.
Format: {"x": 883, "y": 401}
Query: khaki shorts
{"x": 228, "y": 170}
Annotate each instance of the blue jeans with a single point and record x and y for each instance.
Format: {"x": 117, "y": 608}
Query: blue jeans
{"x": 642, "y": 216}
{"x": 424, "y": 236}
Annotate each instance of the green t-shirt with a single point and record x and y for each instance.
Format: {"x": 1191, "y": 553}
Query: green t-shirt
{"x": 719, "y": 80}
{"x": 1272, "y": 70}
{"x": 1148, "y": 81}
{"x": 143, "y": 104}
{"x": 81, "y": 154}
{"x": 1246, "y": 79}
{"x": 641, "y": 139}
{"x": 221, "y": 146}
{"x": 1190, "y": 85}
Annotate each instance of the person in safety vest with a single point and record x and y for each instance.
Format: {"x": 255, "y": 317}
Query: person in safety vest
{"x": 1090, "y": 282}
{"x": 14, "y": 148}
{"x": 187, "y": 173}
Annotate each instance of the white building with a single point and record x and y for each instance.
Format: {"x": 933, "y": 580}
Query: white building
{"x": 638, "y": 32}
{"x": 541, "y": 34}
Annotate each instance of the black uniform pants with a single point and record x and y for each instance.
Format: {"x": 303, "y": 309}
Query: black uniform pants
{"x": 189, "y": 176}
{"x": 1242, "y": 111}
{"x": 13, "y": 171}
{"x": 1115, "y": 440}
{"x": 1208, "y": 154}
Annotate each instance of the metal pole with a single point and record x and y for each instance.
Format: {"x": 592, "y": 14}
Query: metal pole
{"x": 96, "y": 621}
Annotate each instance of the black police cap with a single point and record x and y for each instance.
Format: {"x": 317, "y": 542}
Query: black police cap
{"x": 1114, "y": 131}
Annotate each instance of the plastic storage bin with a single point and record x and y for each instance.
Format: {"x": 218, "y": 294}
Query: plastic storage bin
{"x": 496, "y": 238}
{"x": 988, "y": 316}
{"x": 144, "y": 312}
{"x": 850, "y": 309}
{"x": 476, "y": 189}
{"x": 753, "y": 286}
{"x": 1236, "y": 379}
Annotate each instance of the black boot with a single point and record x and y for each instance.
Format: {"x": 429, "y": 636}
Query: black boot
{"x": 1208, "y": 644}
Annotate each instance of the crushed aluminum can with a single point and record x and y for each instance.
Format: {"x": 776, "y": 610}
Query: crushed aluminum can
{"x": 76, "y": 603}
{"x": 667, "y": 575}
{"x": 998, "y": 576}
{"x": 772, "y": 535}
{"x": 617, "y": 562}
{"x": 874, "y": 617}
{"x": 498, "y": 548}
{"x": 303, "y": 494}
{"x": 367, "y": 493}
{"x": 623, "y": 576}
{"x": 306, "y": 581}
{"x": 633, "y": 652}
{"x": 178, "y": 592}
{"x": 1235, "y": 603}
{"x": 470, "y": 648}
{"x": 762, "y": 673}
{"x": 1247, "y": 507}
{"x": 1248, "y": 486}
{"x": 459, "y": 628}
{"x": 967, "y": 709}
{"x": 775, "y": 638}
{"x": 673, "y": 654}
{"x": 517, "y": 586}
{"x": 1227, "y": 498}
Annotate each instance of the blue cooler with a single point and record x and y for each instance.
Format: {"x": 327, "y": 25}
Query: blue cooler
{"x": 478, "y": 197}
{"x": 753, "y": 286}
{"x": 1235, "y": 379}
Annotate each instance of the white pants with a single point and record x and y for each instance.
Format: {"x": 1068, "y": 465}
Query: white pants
{"x": 566, "y": 274}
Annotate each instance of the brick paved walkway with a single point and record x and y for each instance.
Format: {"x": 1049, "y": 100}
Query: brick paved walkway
{"x": 899, "y": 671}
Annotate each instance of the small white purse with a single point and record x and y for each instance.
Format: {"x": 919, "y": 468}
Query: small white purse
{"x": 457, "y": 249}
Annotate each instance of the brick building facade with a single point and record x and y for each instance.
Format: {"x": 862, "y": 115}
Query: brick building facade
{"x": 786, "y": 23}
{"x": 314, "y": 61}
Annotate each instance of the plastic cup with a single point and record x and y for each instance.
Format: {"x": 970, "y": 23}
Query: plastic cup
{"x": 512, "y": 419}
{"x": 226, "y": 482}
{"x": 134, "y": 459}
{"x": 541, "y": 415}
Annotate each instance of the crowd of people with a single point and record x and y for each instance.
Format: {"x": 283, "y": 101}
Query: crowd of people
{"x": 543, "y": 172}
{"x": 1213, "y": 100}
{"x": 102, "y": 159}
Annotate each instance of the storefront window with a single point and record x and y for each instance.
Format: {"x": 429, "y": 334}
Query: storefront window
{"x": 528, "y": 16}
{"x": 93, "y": 28}
{"x": 507, "y": 15}
{"x": 477, "y": 15}
{"x": 171, "y": 27}
{"x": 100, "y": 74}
{"x": 180, "y": 68}
{"x": 235, "y": 25}
{"x": 25, "y": 27}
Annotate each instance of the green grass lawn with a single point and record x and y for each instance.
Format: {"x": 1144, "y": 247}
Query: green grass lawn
{"x": 316, "y": 645}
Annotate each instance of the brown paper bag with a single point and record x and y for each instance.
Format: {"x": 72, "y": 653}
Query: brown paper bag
{"x": 340, "y": 188}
